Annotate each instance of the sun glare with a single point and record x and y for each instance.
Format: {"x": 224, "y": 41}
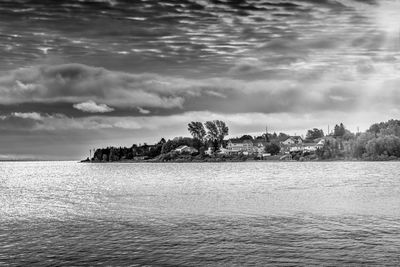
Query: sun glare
{"x": 388, "y": 17}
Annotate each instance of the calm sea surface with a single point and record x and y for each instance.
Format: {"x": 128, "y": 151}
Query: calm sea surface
{"x": 255, "y": 213}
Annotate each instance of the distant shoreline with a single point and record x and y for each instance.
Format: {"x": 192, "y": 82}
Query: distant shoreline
{"x": 237, "y": 161}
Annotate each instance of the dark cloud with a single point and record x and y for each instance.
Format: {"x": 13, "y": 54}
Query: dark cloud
{"x": 76, "y": 83}
{"x": 166, "y": 36}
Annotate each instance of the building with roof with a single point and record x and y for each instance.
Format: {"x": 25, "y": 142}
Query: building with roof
{"x": 246, "y": 147}
{"x": 240, "y": 146}
{"x": 186, "y": 149}
{"x": 292, "y": 140}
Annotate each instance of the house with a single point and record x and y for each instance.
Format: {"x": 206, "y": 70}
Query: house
{"x": 223, "y": 151}
{"x": 306, "y": 147}
{"x": 295, "y": 148}
{"x": 186, "y": 149}
{"x": 246, "y": 147}
{"x": 310, "y": 147}
{"x": 292, "y": 140}
{"x": 209, "y": 151}
{"x": 320, "y": 143}
{"x": 236, "y": 146}
{"x": 259, "y": 146}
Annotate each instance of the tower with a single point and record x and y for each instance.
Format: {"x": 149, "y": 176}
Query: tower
{"x": 266, "y": 134}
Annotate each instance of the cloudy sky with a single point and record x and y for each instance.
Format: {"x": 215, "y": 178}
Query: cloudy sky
{"x": 80, "y": 74}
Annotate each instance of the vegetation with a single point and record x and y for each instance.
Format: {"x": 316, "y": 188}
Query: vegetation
{"x": 314, "y": 134}
{"x": 380, "y": 142}
{"x": 197, "y": 130}
{"x": 216, "y": 131}
{"x": 272, "y": 148}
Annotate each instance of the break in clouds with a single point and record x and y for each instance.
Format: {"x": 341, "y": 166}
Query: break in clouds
{"x": 116, "y": 72}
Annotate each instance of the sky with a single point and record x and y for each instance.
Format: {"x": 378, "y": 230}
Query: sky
{"x": 77, "y": 75}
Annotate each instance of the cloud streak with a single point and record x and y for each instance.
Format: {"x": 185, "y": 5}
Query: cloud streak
{"x": 91, "y": 107}
{"x": 302, "y": 88}
{"x": 79, "y": 83}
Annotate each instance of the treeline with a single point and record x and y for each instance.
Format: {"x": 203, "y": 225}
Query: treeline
{"x": 210, "y": 134}
{"x": 380, "y": 142}
{"x": 144, "y": 151}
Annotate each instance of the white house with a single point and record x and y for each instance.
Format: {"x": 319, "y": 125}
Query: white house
{"x": 296, "y": 148}
{"x": 246, "y": 147}
{"x": 292, "y": 140}
{"x": 236, "y": 146}
{"x": 310, "y": 147}
{"x": 223, "y": 151}
{"x": 321, "y": 143}
{"x": 259, "y": 147}
{"x": 186, "y": 149}
{"x": 209, "y": 151}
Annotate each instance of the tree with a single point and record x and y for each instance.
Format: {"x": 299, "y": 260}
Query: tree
{"x": 246, "y": 137}
{"x": 272, "y": 148}
{"x": 212, "y": 130}
{"x": 217, "y": 130}
{"x": 360, "y": 143}
{"x": 314, "y": 134}
{"x": 383, "y": 146}
{"x": 283, "y": 137}
{"x": 223, "y": 130}
{"x": 348, "y": 135}
{"x": 375, "y": 129}
{"x": 339, "y": 130}
{"x": 391, "y": 127}
{"x": 197, "y": 130}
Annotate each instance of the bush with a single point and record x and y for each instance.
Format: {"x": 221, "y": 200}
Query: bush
{"x": 272, "y": 148}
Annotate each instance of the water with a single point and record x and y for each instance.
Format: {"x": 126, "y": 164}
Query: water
{"x": 255, "y": 213}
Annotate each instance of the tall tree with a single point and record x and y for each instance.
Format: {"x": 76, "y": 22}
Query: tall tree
{"x": 197, "y": 130}
{"x": 246, "y": 137}
{"x": 314, "y": 134}
{"x": 223, "y": 130}
{"x": 339, "y": 130}
{"x": 272, "y": 148}
{"x": 212, "y": 130}
{"x": 217, "y": 130}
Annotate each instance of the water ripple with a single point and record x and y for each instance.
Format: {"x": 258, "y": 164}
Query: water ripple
{"x": 63, "y": 214}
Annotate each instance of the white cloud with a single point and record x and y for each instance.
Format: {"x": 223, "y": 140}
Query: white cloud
{"x": 24, "y": 87}
{"x": 143, "y": 111}
{"x": 28, "y": 115}
{"x": 91, "y": 107}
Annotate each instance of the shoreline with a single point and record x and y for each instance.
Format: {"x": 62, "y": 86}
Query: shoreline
{"x": 235, "y": 161}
